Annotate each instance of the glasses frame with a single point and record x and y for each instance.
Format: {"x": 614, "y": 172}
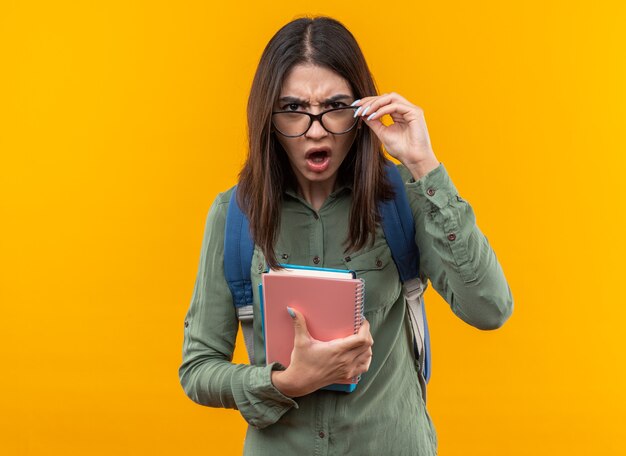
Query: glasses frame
{"x": 318, "y": 117}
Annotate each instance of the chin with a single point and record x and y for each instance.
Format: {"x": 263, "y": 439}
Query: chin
{"x": 315, "y": 176}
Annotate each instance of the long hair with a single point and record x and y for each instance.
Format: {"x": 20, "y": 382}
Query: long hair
{"x": 324, "y": 42}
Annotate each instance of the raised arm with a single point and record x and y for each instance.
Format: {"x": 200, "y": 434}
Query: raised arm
{"x": 454, "y": 253}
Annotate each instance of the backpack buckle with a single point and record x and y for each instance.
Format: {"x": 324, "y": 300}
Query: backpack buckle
{"x": 413, "y": 289}
{"x": 245, "y": 313}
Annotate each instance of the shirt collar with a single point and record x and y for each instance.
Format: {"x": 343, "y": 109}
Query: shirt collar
{"x": 291, "y": 190}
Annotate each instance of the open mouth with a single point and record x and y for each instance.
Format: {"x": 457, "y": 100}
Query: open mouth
{"x": 318, "y": 156}
{"x": 318, "y": 160}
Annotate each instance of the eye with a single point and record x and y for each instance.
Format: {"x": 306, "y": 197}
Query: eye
{"x": 291, "y": 107}
{"x": 337, "y": 104}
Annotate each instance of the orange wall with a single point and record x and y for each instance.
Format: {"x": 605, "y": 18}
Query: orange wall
{"x": 119, "y": 123}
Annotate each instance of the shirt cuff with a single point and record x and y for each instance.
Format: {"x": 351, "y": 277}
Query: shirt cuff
{"x": 434, "y": 188}
{"x": 257, "y": 399}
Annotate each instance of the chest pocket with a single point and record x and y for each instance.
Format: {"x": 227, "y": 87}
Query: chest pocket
{"x": 376, "y": 267}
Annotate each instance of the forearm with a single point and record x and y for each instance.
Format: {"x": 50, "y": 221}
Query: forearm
{"x": 206, "y": 373}
{"x": 455, "y": 255}
{"x": 219, "y": 383}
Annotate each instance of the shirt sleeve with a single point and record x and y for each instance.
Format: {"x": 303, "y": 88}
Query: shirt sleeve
{"x": 207, "y": 374}
{"x": 454, "y": 254}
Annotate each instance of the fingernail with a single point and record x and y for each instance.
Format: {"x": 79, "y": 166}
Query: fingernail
{"x": 365, "y": 110}
{"x": 357, "y": 111}
{"x": 372, "y": 115}
{"x": 355, "y": 102}
{"x": 292, "y": 314}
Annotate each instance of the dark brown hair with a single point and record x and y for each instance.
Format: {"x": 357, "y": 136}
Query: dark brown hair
{"x": 325, "y": 42}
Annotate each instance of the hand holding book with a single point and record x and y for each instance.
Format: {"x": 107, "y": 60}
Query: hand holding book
{"x": 315, "y": 363}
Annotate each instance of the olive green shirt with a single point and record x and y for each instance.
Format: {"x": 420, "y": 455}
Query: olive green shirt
{"x": 386, "y": 413}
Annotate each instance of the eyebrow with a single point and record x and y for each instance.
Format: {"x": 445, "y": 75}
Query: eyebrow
{"x": 289, "y": 99}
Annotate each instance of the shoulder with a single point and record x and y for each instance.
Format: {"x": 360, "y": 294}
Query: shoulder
{"x": 216, "y": 217}
{"x": 223, "y": 198}
{"x": 222, "y": 201}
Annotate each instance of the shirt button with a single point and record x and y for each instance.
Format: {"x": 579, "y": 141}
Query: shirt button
{"x": 316, "y": 259}
{"x": 451, "y": 237}
{"x": 186, "y": 324}
{"x": 260, "y": 266}
{"x": 315, "y": 215}
{"x": 348, "y": 259}
{"x": 322, "y": 435}
{"x": 430, "y": 191}
{"x": 285, "y": 256}
{"x": 379, "y": 262}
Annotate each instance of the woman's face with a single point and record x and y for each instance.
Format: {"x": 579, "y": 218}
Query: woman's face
{"x": 315, "y": 157}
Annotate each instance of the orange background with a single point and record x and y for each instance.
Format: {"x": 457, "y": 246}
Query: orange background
{"x": 120, "y": 122}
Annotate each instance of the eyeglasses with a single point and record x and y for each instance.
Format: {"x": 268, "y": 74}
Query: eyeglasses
{"x": 296, "y": 123}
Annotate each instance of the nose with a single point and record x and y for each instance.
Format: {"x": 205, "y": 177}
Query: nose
{"x": 316, "y": 131}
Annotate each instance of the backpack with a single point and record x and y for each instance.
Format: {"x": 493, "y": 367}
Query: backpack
{"x": 399, "y": 228}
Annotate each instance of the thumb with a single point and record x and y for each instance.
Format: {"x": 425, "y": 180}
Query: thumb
{"x": 299, "y": 323}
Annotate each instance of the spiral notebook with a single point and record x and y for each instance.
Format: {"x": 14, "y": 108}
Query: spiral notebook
{"x": 330, "y": 300}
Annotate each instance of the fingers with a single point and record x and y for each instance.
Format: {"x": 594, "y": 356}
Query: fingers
{"x": 371, "y": 108}
{"x": 364, "y": 331}
{"x": 362, "y": 338}
{"x": 357, "y": 362}
{"x": 333, "y": 361}
{"x": 406, "y": 113}
{"x": 363, "y": 361}
{"x": 360, "y": 354}
{"x": 383, "y": 99}
{"x": 349, "y": 348}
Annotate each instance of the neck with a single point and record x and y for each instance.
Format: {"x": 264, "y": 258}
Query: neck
{"x": 315, "y": 193}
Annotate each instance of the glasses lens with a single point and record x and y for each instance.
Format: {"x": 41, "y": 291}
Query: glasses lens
{"x": 340, "y": 120}
{"x": 336, "y": 121}
{"x": 291, "y": 123}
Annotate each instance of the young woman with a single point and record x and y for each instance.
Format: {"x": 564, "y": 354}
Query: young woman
{"x": 310, "y": 187}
